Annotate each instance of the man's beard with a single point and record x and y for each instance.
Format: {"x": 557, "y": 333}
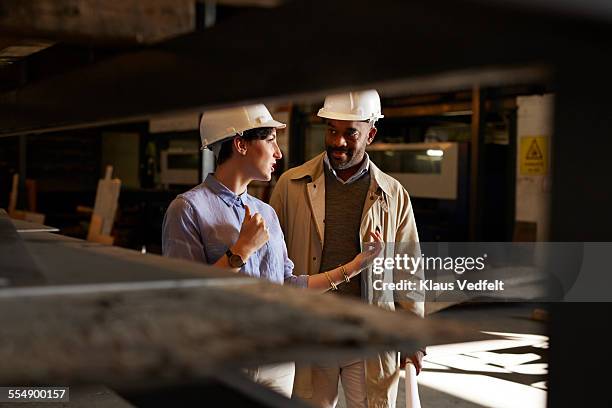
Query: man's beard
{"x": 340, "y": 165}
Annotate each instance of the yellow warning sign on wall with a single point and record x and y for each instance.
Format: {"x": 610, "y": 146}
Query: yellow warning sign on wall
{"x": 533, "y": 156}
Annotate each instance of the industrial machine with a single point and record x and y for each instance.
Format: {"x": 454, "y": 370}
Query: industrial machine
{"x": 179, "y": 166}
{"x": 428, "y": 170}
{"x": 435, "y": 175}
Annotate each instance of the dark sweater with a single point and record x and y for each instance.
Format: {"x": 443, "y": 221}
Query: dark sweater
{"x": 343, "y": 209}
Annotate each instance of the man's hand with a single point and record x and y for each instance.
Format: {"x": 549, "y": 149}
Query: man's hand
{"x": 416, "y": 359}
{"x": 253, "y": 234}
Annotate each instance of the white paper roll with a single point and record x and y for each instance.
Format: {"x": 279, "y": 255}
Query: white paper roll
{"x": 412, "y": 388}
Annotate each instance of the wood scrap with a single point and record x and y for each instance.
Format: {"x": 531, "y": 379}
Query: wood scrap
{"x": 13, "y": 212}
{"x": 95, "y": 228}
{"x": 539, "y": 315}
{"x": 13, "y": 195}
{"x": 105, "y": 208}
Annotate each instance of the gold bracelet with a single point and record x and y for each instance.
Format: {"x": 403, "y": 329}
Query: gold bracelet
{"x": 346, "y": 277}
{"x": 333, "y": 285}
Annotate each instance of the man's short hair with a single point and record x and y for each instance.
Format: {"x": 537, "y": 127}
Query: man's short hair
{"x": 252, "y": 134}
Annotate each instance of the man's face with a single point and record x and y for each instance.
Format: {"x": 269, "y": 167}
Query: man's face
{"x": 346, "y": 141}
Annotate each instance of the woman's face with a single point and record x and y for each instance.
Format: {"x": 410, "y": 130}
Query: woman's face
{"x": 261, "y": 156}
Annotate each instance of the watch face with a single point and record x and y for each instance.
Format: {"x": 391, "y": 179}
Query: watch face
{"x": 235, "y": 261}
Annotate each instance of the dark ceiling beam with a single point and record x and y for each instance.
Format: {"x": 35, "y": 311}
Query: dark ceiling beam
{"x": 246, "y": 3}
{"x": 303, "y": 50}
{"x": 94, "y": 21}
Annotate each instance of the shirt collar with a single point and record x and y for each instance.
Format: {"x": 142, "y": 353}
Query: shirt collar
{"x": 363, "y": 169}
{"x": 224, "y": 193}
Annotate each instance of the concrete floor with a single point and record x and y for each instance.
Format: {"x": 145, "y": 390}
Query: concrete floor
{"x": 509, "y": 369}
{"x": 429, "y": 398}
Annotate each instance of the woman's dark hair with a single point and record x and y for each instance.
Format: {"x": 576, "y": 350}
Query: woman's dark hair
{"x": 252, "y": 134}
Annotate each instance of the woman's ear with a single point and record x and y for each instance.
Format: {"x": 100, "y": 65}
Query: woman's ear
{"x": 240, "y": 145}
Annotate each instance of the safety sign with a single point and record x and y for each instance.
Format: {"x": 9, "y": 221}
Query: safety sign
{"x": 532, "y": 156}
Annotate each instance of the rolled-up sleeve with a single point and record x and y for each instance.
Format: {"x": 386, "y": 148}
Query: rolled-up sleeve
{"x": 180, "y": 233}
{"x": 301, "y": 281}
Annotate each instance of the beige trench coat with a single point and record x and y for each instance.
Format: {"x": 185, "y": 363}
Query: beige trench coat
{"x": 299, "y": 201}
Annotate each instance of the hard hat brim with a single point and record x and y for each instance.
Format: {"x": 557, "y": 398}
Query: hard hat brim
{"x": 323, "y": 113}
{"x": 269, "y": 124}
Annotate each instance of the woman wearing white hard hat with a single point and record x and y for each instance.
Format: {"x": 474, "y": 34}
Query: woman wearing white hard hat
{"x": 219, "y": 223}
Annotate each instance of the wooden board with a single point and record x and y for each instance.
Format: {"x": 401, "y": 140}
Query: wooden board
{"x": 126, "y": 21}
{"x": 13, "y": 194}
{"x": 116, "y": 316}
{"x": 162, "y": 336}
{"x": 105, "y": 208}
{"x": 23, "y": 226}
{"x": 29, "y": 216}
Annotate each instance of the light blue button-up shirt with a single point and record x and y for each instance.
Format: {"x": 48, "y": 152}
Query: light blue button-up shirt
{"x": 201, "y": 224}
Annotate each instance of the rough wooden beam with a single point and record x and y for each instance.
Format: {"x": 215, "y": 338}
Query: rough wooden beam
{"x": 131, "y": 338}
{"x": 115, "y": 316}
{"x": 125, "y": 21}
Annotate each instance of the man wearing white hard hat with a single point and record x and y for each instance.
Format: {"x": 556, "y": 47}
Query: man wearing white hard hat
{"x": 331, "y": 201}
{"x": 219, "y": 223}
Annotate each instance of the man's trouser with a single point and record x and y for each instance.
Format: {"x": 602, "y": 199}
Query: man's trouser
{"x": 325, "y": 384}
{"x": 277, "y": 377}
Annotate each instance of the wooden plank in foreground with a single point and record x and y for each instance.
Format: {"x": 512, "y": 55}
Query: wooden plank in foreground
{"x": 108, "y": 315}
{"x": 132, "y": 338}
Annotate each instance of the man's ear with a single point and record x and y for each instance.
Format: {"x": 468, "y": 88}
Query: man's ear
{"x": 372, "y": 134}
{"x": 240, "y": 145}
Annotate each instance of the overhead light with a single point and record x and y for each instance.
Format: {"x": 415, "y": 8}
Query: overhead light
{"x": 435, "y": 152}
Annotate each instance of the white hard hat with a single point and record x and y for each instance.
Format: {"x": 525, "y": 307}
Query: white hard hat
{"x": 221, "y": 124}
{"x": 363, "y": 105}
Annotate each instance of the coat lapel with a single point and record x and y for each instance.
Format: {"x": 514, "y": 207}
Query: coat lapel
{"x": 316, "y": 200}
{"x": 315, "y": 191}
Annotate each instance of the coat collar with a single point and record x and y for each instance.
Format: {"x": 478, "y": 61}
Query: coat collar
{"x": 314, "y": 169}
